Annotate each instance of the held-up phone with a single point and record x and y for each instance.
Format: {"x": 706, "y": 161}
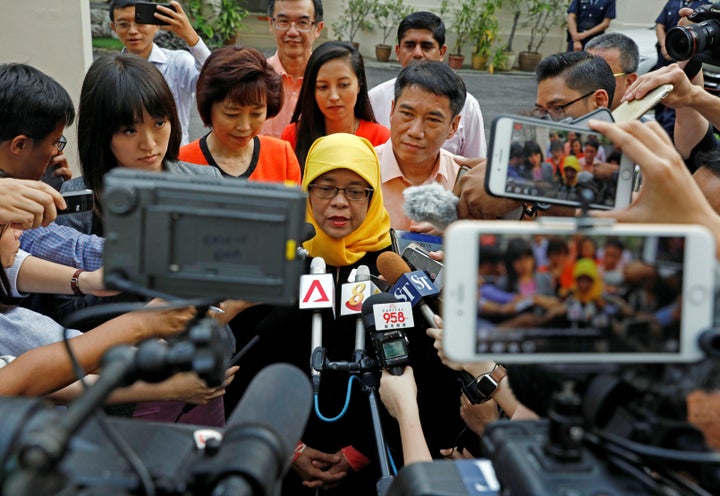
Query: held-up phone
{"x": 144, "y": 13}
{"x": 419, "y": 259}
{"x": 634, "y": 293}
{"x": 522, "y": 164}
{"x": 401, "y": 240}
{"x": 78, "y": 201}
{"x": 629, "y": 111}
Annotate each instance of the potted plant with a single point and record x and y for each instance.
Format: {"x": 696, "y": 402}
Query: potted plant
{"x": 355, "y": 18}
{"x": 483, "y": 31}
{"x": 219, "y": 23}
{"x": 387, "y": 14}
{"x": 541, "y": 17}
{"x": 510, "y": 54}
{"x": 499, "y": 61}
{"x": 462, "y": 18}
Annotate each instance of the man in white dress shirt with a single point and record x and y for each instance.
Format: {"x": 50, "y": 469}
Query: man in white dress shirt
{"x": 421, "y": 36}
{"x": 180, "y": 68}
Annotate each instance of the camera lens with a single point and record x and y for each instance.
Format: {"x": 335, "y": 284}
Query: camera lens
{"x": 683, "y": 43}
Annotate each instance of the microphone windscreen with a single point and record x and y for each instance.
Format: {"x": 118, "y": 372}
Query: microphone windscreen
{"x": 278, "y": 399}
{"x": 392, "y": 266}
{"x": 431, "y": 203}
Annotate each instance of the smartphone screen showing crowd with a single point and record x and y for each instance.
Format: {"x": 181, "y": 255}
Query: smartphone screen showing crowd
{"x": 204, "y": 237}
{"x": 542, "y": 294}
{"x": 544, "y": 161}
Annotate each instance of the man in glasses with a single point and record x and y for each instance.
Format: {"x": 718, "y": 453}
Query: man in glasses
{"x": 296, "y": 25}
{"x": 34, "y": 111}
{"x": 572, "y": 84}
{"x": 180, "y": 68}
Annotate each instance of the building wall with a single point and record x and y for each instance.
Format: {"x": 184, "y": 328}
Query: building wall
{"x": 53, "y": 36}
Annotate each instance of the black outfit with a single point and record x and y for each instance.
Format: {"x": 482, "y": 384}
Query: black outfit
{"x": 287, "y": 337}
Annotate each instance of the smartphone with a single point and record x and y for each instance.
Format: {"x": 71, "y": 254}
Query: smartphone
{"x": 401, "y": 240}
{"x": 144, "y": 13}
{"x": 78, "y": 201}
{"x": 629, "y": 111}
{"x": 634, "y": 293}
{"x": 548, "y": 176}
{"x": 50, "y": 179}
{"x": 419, "y": 259}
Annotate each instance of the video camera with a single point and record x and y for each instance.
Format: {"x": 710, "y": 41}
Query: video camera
{"x": 203, "y": 237}
{"x": 701, "y": 40}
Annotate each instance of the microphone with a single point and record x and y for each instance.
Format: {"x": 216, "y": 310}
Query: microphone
{"x": 414, "y": 287}
{"x": 317, "y": 292}
{"x": 384, "y": 317}
{"x": 431, "y": 203}
{"x": 411, "y": 286}
{"x": 261, "y": 434}
{"x": 352, "y": 295}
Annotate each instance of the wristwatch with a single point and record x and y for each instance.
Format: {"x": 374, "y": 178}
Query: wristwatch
{"x": 483, "y": 387}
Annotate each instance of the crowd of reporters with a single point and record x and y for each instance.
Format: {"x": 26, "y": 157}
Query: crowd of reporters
{"x": 354, "y": 171}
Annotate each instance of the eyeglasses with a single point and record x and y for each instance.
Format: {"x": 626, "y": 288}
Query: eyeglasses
{"x": 354, "y": 193}
{"x": 60, "y": 143}
{"x": 557, "y": 111}
{"x": 302, "y": 25}
{"x": 618, "y": 74}
{"x": 125, "y": 25}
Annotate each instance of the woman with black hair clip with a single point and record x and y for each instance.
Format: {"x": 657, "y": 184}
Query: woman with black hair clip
{"x": 333, "y": 99}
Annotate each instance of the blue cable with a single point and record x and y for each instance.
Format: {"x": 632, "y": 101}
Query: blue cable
{"x": 345, "y": 407}
{"x": 390, "y": 459}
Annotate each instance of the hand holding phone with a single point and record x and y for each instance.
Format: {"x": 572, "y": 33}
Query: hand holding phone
{"x": 145, "y": 13}
{"x": 631, "y": 110}
{"x": 78, "y": 201}
{"x": 521, "y": 168}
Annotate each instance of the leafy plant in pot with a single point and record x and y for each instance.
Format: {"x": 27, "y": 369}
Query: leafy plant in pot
{"x": 387, "y": 14}
{"x": 515, "y": 7}
{"x": 219, "y": 22}
{"x": 462, "y": 19}
{"x": 355, "y": 18}
{"x": 541, "y": 17}
{"x": 484, "y": 30}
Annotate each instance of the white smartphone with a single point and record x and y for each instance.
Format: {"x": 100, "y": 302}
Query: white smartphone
{"x": 629, "y": 111}
{"x": 528, "y": 160}
{"x": 548, "y": 293}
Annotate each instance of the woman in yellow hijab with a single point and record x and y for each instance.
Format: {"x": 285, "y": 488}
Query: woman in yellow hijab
{"x": 345, "y": 203}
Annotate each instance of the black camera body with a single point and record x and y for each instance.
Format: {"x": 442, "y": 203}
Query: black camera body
{"x": 391, "y": 348}
{"x": 699, "y": 41}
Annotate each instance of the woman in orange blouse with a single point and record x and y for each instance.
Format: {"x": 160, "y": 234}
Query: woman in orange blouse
{"x": 236, "y": 91}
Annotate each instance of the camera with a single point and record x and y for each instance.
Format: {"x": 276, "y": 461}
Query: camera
{"x": 391, "y": 348}
{"x": 701, "y": 40}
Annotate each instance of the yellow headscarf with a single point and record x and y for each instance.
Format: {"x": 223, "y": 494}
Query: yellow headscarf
{"x": 347, "y": 151}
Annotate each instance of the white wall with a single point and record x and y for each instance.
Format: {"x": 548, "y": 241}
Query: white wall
{"x": 53, "y": 36}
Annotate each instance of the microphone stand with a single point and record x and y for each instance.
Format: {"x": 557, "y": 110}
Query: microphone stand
{"x": 364, "y": 367}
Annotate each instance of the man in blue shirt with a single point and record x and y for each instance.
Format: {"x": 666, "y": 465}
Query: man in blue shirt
{"x": 587, "y": 19}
